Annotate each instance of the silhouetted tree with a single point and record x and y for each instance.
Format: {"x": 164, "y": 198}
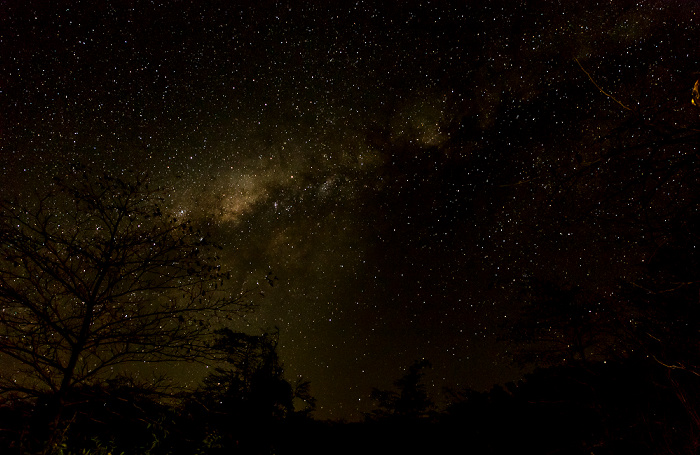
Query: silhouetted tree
{"x": 562, "y": 325}
{"x": 666, "y": 297}
{"x": 246, "y": 400}
{"x": 95, "y": 274}
{"x": 410, "y": 401}
{"x": 665, "y": 324}
{"x": 253, "y": 377}
{"x": 252, "y": 382}
{"x": 631, "y": 190}
{"x": 640, "y": 186}
{"x": 121, "y": 415}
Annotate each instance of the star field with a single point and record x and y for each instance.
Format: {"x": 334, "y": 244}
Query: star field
{"x": 400, "y": 169}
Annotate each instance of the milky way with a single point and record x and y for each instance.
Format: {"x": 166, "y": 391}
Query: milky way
{"x": 387, "y": 169}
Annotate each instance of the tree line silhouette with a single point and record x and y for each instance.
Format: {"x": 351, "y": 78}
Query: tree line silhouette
{"x": 97, "y": 276}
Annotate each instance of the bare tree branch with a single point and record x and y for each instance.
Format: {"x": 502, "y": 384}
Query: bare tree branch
{"x": 94, "y": 274}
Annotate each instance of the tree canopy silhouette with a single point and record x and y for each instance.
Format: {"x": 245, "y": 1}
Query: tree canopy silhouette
{"x": 559, "y": 324}
{"x": 251, "y": 383}
{"x": 96, "y": 274}
{"x": 411, "y": 401}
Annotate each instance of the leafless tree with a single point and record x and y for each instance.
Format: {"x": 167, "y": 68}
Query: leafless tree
{"x": 96, "y": 275}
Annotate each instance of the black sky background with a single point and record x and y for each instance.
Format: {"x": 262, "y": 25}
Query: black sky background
{"x": 401, "y": 168}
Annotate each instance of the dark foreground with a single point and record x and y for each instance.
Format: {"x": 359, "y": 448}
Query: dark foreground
{"x": 632, "y": 407}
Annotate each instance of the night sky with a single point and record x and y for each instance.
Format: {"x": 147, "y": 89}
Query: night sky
{"x": 400, "y": 169}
